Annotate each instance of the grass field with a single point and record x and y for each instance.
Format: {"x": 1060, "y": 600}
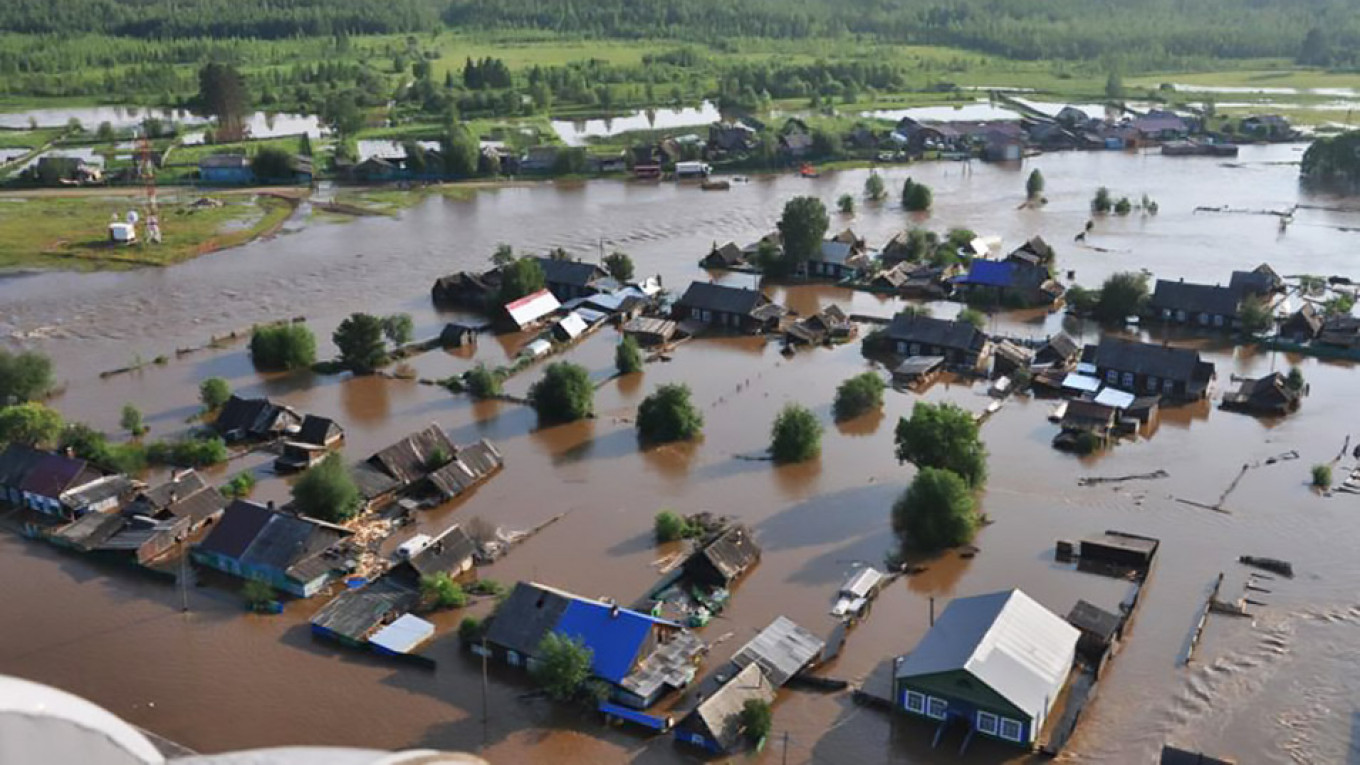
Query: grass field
{"x": 71, "y": 232}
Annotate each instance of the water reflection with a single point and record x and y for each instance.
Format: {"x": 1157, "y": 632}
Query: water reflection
{"x": 365, "y": 399}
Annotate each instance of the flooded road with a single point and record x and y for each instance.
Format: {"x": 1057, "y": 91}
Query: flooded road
{"x": 1276, "y": 688}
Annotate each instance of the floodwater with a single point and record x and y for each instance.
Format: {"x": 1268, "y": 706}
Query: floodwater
{"x": 978, "y": 110}
{"x": 1277, "y": 688}
{"x": 260, "y": 124}
{"x": 578, "y": 132}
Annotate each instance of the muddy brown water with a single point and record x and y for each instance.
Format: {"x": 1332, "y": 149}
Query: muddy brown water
{"x": 1275, "y": 688}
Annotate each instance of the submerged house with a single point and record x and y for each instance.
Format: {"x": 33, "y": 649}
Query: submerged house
{"x": 838, "y": 260}
{"x": 137, "y": 537}
{"x": 1303, "y": 325}
{"x": 995, "y": 662}
{"x": 571, "y": 279}
{"x": 39, "y": 480}
{"x": 1177, "y": 374}
{"x": 961, "y": 344}
{"x": 735, "y": 308}
{"x": 1203, "y": 305}
{"x": 727, "y": 256}
{"x": 715, "y": 724}
{"x": 630, "y": 651}
{"x": 310, "y": 444}
{"x": 531, "y": 309}
{"x": 185, "y": 497}
{"x": 468, "y": 289}
{"x": 425, "y": 460}
{"x": 292, "y": 553}
{"x": 254, "y": 418}
{"x": 1059, "y": 351}
{"x": 1270, "y": 396}
{"x": 781, "y": 650}
{"x": 1261, "y": 281}
{"x": 830, "y": 323}
{"x": 723, "y": 559}
{"x": 354, "y": 616}
{"x": 1009, "y": 282}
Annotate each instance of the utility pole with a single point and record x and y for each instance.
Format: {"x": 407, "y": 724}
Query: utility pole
{"x": 786, "y": 748}
{"x": 183, "y": 577}
{"x": 484, "y": 684}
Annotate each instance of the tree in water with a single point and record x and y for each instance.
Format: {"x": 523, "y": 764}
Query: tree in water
{"x": 796, "y": 436}
{"x": 619, "y": 266}
{"x": 1034, "y": 185}
{"x": 802, "y": 227}
{"x": 360, "y": 340}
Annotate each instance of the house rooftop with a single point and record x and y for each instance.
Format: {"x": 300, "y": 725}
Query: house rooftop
{"x": 721, "y": 298}
{"x": 721, "y": 712}
{"x": 570, "y": 272}
{"x": 1149, "y": 359}
{"x": 781, "y": 650}
{"x": 1195, "y": 298}
{"x": 927, "y": 330}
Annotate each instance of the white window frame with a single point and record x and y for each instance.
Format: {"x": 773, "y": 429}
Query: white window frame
{"x": 987, "y": 723}
{"x": 930, "y": 711}
{"x": 919, "y": 705}
{"x": 1168, "y": 385}
{"x": 1152, "y": 384}
{"x": 1112, "y": 376}
{"x": 1128, "y": 380}
{"x": 1019, "y": 729}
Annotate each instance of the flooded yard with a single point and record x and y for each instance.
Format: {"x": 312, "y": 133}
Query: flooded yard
{"x": 1275, "y": 688}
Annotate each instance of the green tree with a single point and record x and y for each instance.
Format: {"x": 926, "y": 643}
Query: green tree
{"x": 756, "y": 719}
{"x": 1102, "y": 203}
{"x": 24, "y": 376}
{"x": 341, "y": 113}
{"x": 1256, "y": 316}
{"x": 668, "y": 415}
{"x": 214, "y": 392}
{"x": 846, "y": 203}
{"x": 564, "y": 394}
{"x": 619, "y": 266}
{"x": 943, "y": 436}
{"x": 503, "y": 256}
{"x": 561, "y": 665}
{"x": 1034, "y": 185}
{"x": 360, "y": 340}
{"x": 973, "y": 316}
{"x": 257, "y": 593}
{"x": 461, "y": 152}
{"x": 222, "y": 94}
{"x": 1081, "y": 300}
{"x": 669, "y": 526}
{"x": 327, "y": 491}
{"x": 271, "y": 164}
{"x": 1322, "y": 476}
{"x": 305, "y": 145}
{"x": 796, "y": 436}
{"x": 916, "y": 197}
{"x": 802, "y": 227}
{"x": 1122, "y": 295}
{"x": 936, "y": 511}
{"x": 1339, "y": 305}
{"x": 470, "y": 630}
{"x": 1123, "y": 206}
{"x": 873, "y": 187}
{"x": 105, "y": 133}
{"x": 628, "y": 356}
{"x": 31, "y": 424}
{"x": 440, "y": 589}
{"x": 1114, "y": 86}
{"x": 858, "y": 395}
{"x": 1294, "y": 381}
{"x": 523, "y": 277}
{"x": 398, "y": 328}
{"x": 280, "y": 347}
{"x": 482, "y": 382}
{"x": 239, "y": 486}
{"x": 131, "y": 420}
{"x": 188, "y": 452}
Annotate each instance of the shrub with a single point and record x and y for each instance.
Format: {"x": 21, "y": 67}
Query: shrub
{"x": 470, "y": 630}
{"x": 398, "y": 328}
{"x": 257, "y": 593}
{"x": 973, "y": 316}
{"x": 563, "y": 664}
{"x": 239, "y": 486}
{"x": 619, "y": 266}
{"x": 1256, "y": 316}
{"x": 283, "y": 347}
{"x": 131, "y": 420}
{"x": 873, "y": 187}
{"x": 1121, "y": 296}
{"x": 440, "y": 589}
{"x": 360, "y": 340}
{"x": 628, "y": 356}
{"x": 943, "y": 436}
{"x": 564, "y": 394}
{"x": 669, "y": 526}
{"x": 31, "y": 424}
{"x": 1034, "y": 186}
{"x": 756, "y": 719}
{"x": 858, "y": 395}
{"x": 188, "y": 452}
{"x": 846, "y": 203}
{"x": 1101, "y": 202}
{"x": 1322, "y": 476}
{"x": 482, "y": 382}
{"x": 935, "y": 512}
{"x": 1123, "y": 206}
{"x": 916, "y": 197}
{"x": 1294, "y": 381}
{"x": 327, "y": 491}
{"x": 669, "y": 415}
{"x": 796, "y": 436}
{"x": 214, "y": 392}
{"x": 488, "y": 587}
{"x": 24, "y": 376}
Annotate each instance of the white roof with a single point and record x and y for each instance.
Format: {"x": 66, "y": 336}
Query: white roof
{"x": 862, "y": 582}
{"x": 39, "y": 723}
{"x": 1081, "y": 382}
{"x": 692, "y": 167}
{"x": 1008, "y": 641}
{"x": 573, "y": 325}
{"x": 1113, "y": 397}
{"x": 403, "y": 635}
{"x": 414, "y": 545}
{"x": 538, "y": 348}
{"x": 1086, "y": 368}
{"x": 781, "y": 649}
{"x": 530, "y": 309}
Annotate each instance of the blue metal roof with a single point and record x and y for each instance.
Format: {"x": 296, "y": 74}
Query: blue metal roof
{"x": 632, "y": 715}
{"x": 990, "y": 273}
{"x": 614, "y": 639}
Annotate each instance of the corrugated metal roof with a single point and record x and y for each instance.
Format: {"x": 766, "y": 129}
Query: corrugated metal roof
{"x": 720, "y": 713}
{"x": 572, "y": 325}
{"x": 1007, "y": 640}
{"x": 1113, "y": 397}
{"x": 403, "y": 635}
{"x": 781, "y": 649}
{"x": 1081, "y": 382}
{"x": 614, "y": 635}
{"x": 531, "y": 308}
{"x": 863, "y": 582}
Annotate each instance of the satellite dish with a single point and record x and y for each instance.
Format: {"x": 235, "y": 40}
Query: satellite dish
{"x": 132, "y": 217}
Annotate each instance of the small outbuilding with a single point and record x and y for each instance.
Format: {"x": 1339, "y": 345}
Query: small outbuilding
{"x": 723, "y": 559}
{"x": 1269, "y": 396}
{"x": 715, "y": 724}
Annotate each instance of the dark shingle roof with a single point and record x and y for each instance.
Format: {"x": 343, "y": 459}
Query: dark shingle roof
{"x": 251, "y": 416}
{"x": 471, "y": 464}
{"x": 53, "y": 474}
{"x": 1261, "y": 280}
{"x": 15, "y": 462}
{"x": 717, "y": 297}
{"x": 239, "y": 526}
{"x": 570, "y": 272}
{"x": 317, "y": 430}
{"x": 1148, "y": 359}
{"x": 928, "y": 330}
{"x": 1093, "y": 619}
{"x": 355, "y": 613}
{"x": 445, "y": 554}
{"x": 731, "y": 552}
{"x": 256, "y": 535}
{"x": 407, "y": 460}
{"x": 1195, "y": 298}
{"x": 1061, "y": 346}
{"x": 526, "y": 617}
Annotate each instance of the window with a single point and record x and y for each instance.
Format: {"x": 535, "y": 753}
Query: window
{"x": 986, "y": 723}
{"x": 1180, "y": 315}
{"x": 915, "y": 702}
{"x": 1204, "y": 318}
{"x": 1010, "y": 729}
{"x": 512, "y": 658}
{"x": 1166, "y": 313}
{"x": 1218, "y": 320}
{"x": 1128, "y": 379}
{"x": 915, "y": 349}
{"x": 935, "y": 708}
{"x": 1112, "y": 377}
{"x": 1152, "y": 384}
{"x": 1168, "y": 386}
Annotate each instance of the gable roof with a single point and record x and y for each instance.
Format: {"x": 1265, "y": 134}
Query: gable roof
{"x": 717, "y": 297}
{"x": 355, "y": 614}
{"x": 989, "y": 273}
{"x": 99, "y": 490}
{"x": 470, "y": 465}
{"x": 317, "y": 430}
{"x": 781, "y": 650}
{"x": 614, "y": 635}
{"x": 1007, "y": 640}
{"x": 1261, "y": 280}
{"x": 258, "y": 536}
{"x": 527, "y": 615}
{"x": 1061, "y": 345}
{"x": 720, "y": 713}
{"x": 446, "y": 553}
{"x": 1195, "y": 298}
{"x": 1147, "y": 359}
{"x": 730, "y": 553}
{"x": 407, "y": 459}
{"x": 834, "y": 251}
{"x": 53, "y": 474}
{"x": 928, "y": 330}
{"x": 729, "y": 254}
{"x": 531, "y": 308}
{"x": 15, "y": 462}
{"x": 570, "y": 272}
{"x": 252, "y": 416}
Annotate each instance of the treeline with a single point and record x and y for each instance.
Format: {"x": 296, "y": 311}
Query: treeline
{"x": 264, "y": 19}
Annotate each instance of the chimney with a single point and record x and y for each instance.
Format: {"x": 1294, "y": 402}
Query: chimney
{"x": 270, "y": 505}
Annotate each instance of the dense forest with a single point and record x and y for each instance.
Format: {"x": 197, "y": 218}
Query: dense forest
{"x": 1323, "y": 32}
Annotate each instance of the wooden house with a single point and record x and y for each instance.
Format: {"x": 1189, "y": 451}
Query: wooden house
{"x": 1196, "y": 305}
{"x": 292, "y": 554}
{"x": 717, "y": 305}
{"x": 1269, "y": 396}
{"x": 715, "y": 724}
{"x": 723, "y": 559}
{"x": 1177, "y": 374}
{"x": 961, "y": 344}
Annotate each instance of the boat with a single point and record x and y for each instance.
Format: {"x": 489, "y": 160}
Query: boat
{"x": 1058, "y": 412}
{"x": 715, "y": 185}
{"x": 808, "y": 171}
